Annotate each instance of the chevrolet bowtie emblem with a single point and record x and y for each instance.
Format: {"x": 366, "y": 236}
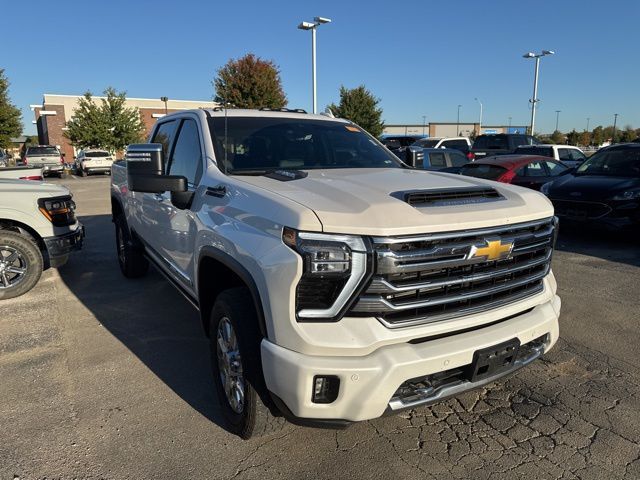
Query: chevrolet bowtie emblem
{"x": 494, "y": 250}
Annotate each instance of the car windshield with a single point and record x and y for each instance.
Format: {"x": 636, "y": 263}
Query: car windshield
{"x": 491, "y": 142}
{"x": 613, "y": 163}
{"x": 427, "y": 143}
{"x": 96, "y": 154}
{"x": 42, "y": 151}
{"x": 479, "y": 170}
{"x": 257, "y": 145}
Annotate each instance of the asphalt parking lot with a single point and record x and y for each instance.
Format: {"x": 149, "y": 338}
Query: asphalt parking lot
{"x": 102, "y": 377}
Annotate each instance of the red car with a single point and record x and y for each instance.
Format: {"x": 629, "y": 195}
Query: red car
{"x": 530, "y": 171}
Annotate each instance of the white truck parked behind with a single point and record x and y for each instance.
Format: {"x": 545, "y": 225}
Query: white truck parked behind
{"x": 335, "y": 283}
{"x": 38, "y": 230}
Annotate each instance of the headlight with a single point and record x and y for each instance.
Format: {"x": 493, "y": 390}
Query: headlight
{"x": 545, "y": 188}
{"x": 60, "y": 211}
{"x": 628, "y": 195}
{"x": 333, "y": 267}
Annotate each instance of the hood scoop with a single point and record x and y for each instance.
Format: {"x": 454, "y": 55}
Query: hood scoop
{"x": 449, "y": 196}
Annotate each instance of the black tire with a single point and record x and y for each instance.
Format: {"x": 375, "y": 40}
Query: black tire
{"x": 256, "y": 418}
{"x": 132, "y": 262}
{"x": 83, "y": 172}
{"x": 28, "y": 257}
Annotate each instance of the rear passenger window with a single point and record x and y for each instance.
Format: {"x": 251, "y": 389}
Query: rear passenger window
{"x": 437, "y": 159}
{"x": 164, "y": 135}
{"x": 187, "y": 154}
{"x": 555, "y": 168}
{"x": 565, "y": 154}
{"x": 458, "y": 159}
{"x": 535, "y": 169}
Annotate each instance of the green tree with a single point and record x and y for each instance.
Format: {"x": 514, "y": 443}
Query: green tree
{"x": 585, "y": 138}
{"x": 557, "y": 137}
{"x": 573, "y": 137}
{"x": 627, "y": 135}
{"x": 597, "y": 136}
{"x": 110, "y": 125}
{"x": 10, "y": 124}
{"x": 361, "y": 107}
{"x": 249, "y": 82}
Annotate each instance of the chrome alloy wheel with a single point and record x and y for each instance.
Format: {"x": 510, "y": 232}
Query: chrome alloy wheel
{"x": 13, "y": 267}
{"x": 230, "y": 365}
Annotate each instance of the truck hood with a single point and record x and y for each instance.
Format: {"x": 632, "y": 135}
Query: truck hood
{"x": 371, "y": 201}
{"x": 24, "y": 186}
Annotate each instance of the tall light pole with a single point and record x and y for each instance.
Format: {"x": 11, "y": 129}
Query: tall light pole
{"x": 317, "y": 21}
{"x": 535, "y": 100}
{"x": 509, "y": 131}
{"x": 557, "y": 118}
{"x": 588, "y": 119}
{"x": 458, "y": 122}
{"x": 480, "y": 122}
{"x": 165, "y": 100}
{"x": 424, "y": 123}
{"x": 615, "y": 120}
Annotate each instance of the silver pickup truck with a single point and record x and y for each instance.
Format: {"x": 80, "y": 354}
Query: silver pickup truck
{"x": 335, "y": 283}
{"x": 46, "y": 157}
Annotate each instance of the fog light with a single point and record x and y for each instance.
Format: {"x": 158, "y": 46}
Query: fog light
{"x": 325, "y": 388}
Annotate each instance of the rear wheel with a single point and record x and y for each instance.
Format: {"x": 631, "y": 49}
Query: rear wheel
{"x": 237, "y": 367}
{"x": 132, "y": 262}
{"x": 21, "y": 264}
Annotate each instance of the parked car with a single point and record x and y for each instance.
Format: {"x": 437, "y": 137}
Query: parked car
{"x": 524, "y": 170}
{"x": 335, "y": 284}
{"x": 567, "y": 154}
{"x": 21, "y": 173}
{"x": 38, "y": 230}
{"x": 490, "y": 145}
{"x": 93, "y": 160}
{"x": 46, "y": 157}
{"x": 442, "y": 159}
{"x": 458, "y": 143}
{"x": 395, "y": 142}
{"x": 4, "y": 158}
{"x": 604, "y": 190}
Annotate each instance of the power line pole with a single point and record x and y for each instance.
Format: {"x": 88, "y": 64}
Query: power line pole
{"x": 615, "y": 120}
{"x": 557, "y": 118}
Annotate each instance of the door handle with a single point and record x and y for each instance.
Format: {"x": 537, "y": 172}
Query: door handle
{"x": 217, "y": 191}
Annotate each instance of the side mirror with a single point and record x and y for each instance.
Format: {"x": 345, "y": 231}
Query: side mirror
{"x": 145, "y": 170}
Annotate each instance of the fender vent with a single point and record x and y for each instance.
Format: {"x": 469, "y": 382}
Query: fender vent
{"x": 451, "y": 196}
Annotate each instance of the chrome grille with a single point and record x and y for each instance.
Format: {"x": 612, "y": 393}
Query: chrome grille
{"x": 434, "y": 277}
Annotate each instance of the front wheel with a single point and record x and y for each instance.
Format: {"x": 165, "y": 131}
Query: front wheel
{"x": 237, "y": 367}
{"x": 21, "y": 264}
{"x": 132, "y": 262}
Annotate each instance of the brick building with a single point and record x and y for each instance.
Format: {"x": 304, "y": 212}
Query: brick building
{"x": 56, "y": 110}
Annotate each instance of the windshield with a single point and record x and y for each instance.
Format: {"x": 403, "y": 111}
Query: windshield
{"x": 96, "y": 154}
{"x": 491, "y": 142}
{"x": 479, "y": 170}
{"x": 263, "y": 144}
{"x": 43, "y": 151}
{"x": 613, "y": 163}
{"x": 427, "y": 143}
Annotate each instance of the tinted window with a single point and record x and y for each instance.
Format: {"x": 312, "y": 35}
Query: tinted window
{"x": 535, "y": 169}
{"x": 187, "y": 155}
{"x": 437, "y": 159}
{"x": 565, "y": 154}
{"x": 543, "y": 151}
{"x": 577, "y": 155}
{"x": 427, "y": 143}
{"x": 42, "y": 151}
{"x": 457, "y": 144}
{"x": 97, "y": 154}
{"x": 614, "y": 163}
{"x": 164, "y": 135}
{"x": 491, "y": 142}
{"x": 555, "y": 168}
{"x": 458, "y": 159}
{"x": 267, "y": 143}
{"x": 490, "y": 172}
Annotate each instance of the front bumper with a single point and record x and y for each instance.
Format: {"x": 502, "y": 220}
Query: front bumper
{"x": 60, "y": 246}
{"x": 368, "y": 383}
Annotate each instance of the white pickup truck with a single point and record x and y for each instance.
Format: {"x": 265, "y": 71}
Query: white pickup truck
{"x": 335, "y": 283}
{"x": 21, "y": 173}
{"x": 38, "y": 230}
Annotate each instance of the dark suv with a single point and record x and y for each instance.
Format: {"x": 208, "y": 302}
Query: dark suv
{"x": 500, "y": 144}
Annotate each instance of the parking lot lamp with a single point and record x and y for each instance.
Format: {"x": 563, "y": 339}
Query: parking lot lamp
{"x": 535, "y": 100}
{"x": 165, "y": 100}
{"x": 557, "y": 118}
{"x": 317, "y": 21}
{"x": 615, "y": 121}
{"x": 424, "y": 124}
{"x": 480, "y": 122}
{"x": 588, "y": 119}
{"x": 458, "y": 122}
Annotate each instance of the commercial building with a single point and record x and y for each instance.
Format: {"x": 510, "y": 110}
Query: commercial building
{"x": 449, "y": 129}
{"x": 56, "y": 110}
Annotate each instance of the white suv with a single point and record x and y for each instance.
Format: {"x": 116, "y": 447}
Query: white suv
{"x": 93, "y": 161}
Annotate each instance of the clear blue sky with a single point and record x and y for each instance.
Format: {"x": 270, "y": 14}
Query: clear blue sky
{"x": 419, "y": 57}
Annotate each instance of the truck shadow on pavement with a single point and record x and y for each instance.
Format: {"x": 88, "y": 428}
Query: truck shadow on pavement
{"x": 147, "y": 315}
{"x": 614, "y": 246}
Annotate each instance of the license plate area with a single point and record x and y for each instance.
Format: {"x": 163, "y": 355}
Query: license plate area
{"x": 494, "y": 360}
